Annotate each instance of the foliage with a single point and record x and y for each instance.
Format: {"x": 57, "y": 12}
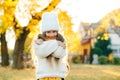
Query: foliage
{"x": 33, "y": 25}
{"x": 103, "y": 42}
{"x": 76, "y": 59}
{"x": 111, "y": 58}
{"x": 72, "y": 38}
{"x": 105, "y": 21}
{"x": 8, "y": 7}
{"x": 29, "y": 17}
{"x": 28, "y": 43}
{"x": 97, "y": 51}
{"x": 102, "y": 60}
{"x": 116, "y": 60}
{"x": 25, "y": 13}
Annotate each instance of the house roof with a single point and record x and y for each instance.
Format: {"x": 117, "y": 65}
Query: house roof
{"x": 86, "y": 39}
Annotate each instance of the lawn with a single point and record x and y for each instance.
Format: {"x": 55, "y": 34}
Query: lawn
{"x": 77, "y": 72}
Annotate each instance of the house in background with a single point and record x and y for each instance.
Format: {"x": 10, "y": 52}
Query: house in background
{"x": 87, "y": 40}
{"x": 114, "y": 34}
{"x": 115, "y": 42}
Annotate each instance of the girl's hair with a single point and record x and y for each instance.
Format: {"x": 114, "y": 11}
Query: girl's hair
{"x": 59, "y": 37}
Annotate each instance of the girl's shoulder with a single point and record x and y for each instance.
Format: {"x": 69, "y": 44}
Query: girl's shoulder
{"x": 41, "y": 36}
{"x": 60, "y": 37}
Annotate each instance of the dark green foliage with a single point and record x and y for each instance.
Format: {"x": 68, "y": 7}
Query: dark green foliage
{"x": 102, "y": 44}
{"x": 102, "y": 60}
{"x": 116, "y": 60}
{"x": 97, "y": 51}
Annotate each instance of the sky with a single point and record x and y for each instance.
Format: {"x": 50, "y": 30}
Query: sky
{"x": 84, "y": 10}
{"x": 90, "y": 11}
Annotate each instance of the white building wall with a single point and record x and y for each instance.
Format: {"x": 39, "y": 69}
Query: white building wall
{"x": 115, "y": 44}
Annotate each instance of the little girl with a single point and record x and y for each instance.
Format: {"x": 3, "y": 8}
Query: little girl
{"x": 50, "y": 50}
{"x": 51, "y": 35}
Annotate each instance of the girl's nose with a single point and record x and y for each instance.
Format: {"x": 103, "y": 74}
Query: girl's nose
{"x": 51, "y": 35}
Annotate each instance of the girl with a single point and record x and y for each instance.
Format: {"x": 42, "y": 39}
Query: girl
{"x": 51, "y": 35}
{"x": 50, "y": 50}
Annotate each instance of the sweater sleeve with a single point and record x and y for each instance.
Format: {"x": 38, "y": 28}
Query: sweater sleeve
{"x": 46, "y": 48}
{"x": 60, "y": 52}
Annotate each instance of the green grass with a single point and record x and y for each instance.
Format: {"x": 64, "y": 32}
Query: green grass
{"x": 77, "y": 72}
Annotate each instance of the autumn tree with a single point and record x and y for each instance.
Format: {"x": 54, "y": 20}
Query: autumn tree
{"x": 25, "y": 27}
{"x": 22, "y": 31}
{"x": 71, "y": 37}
{"x": 7, "y": 7}
{"x": 113, "y": 16}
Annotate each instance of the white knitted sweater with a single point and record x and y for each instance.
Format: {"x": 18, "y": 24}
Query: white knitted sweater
{"x": 46, "y": 68}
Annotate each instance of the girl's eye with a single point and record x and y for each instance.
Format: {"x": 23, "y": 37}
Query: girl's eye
{"x": 54, "y": 31}
{"x": 48, "y": 32}
{"x": 51, "y": 32}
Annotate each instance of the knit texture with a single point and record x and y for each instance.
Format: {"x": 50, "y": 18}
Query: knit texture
{"x": 46, "y": 68}
{"x": 49, "y": 22}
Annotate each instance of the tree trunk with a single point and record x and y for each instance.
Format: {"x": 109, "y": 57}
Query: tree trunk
{"x": 4, "y": 51}
{"x": 18, "y": 50}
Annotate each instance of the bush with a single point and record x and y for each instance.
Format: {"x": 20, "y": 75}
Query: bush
{"x": 97, "y": 51}
{"x": 102, "y": 60}
{"x": 116, "y": 61}
{"x": 76, "y": 59}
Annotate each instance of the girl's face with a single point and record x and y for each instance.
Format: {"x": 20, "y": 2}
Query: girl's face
{"x": 51, "y": 34}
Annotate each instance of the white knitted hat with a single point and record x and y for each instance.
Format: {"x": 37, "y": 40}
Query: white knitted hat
{"x": 49, "y": 22}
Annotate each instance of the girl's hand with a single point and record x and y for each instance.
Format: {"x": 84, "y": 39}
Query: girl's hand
{"x": 61, "y": 44}
{"x": 39, "y": 41}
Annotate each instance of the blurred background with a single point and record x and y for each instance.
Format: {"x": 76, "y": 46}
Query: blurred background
{"x": 91, "y": 29}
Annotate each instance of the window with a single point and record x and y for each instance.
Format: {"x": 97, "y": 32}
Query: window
{"x": 115, "y": 51}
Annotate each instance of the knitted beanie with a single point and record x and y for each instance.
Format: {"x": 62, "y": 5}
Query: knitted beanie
{"x": 49, "y": 22}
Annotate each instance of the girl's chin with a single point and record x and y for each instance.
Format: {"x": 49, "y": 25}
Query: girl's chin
{"x": 50, "y": 38}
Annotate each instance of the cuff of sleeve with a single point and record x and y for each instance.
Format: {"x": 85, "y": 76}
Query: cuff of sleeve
{"x": 60, "y": 52}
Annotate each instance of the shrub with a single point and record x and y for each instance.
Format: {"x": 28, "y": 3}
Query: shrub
{"x": 102, "y": 60}
{"x": 116, "y": 61}
{"x": 76, "y": 59}
{"x": 97, "y": 51}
